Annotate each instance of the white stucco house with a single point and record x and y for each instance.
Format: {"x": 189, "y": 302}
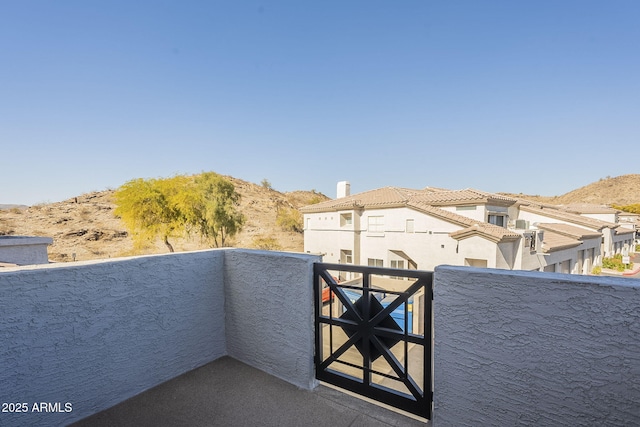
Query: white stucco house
{"x": 420, "y": 229}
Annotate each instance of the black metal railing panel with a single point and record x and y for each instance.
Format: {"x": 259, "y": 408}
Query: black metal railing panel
{"x": 373, "y": 333}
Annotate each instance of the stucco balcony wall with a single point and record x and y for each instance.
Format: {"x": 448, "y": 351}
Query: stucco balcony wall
{"x": 24, "y": 250}
{"x": 269, "y": 313}
{"x": 543, "y": 349}
{"x": 93, "y": 334}
{"x": 511, "y": 348}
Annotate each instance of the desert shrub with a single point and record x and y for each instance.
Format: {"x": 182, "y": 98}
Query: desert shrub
{"x": 615, "y": 263}
{"x": 290, "y": 219}
{"x": 266, "y": 184}
{"x": 314, "y": 200}
{"x": 266, "y": 243}
{"x": 86, "y": 214}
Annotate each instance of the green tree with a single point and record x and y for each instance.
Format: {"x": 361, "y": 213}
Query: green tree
{"x": 171, "y": 207}
{"x": 211, "y": 208}
{"x": 148, "y": 208}
{"x": 290, "y": 219}
{"x": 633, "y": 208}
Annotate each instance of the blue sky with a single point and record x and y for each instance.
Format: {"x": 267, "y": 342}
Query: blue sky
{"x": 539, "y": 97}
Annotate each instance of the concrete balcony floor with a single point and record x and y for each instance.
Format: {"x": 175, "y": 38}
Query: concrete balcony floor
{"x": 227, "y": 392}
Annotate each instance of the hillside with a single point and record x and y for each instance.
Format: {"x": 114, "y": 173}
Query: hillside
{"x": 621, "y": 190}
{"x": 86, "y": 226}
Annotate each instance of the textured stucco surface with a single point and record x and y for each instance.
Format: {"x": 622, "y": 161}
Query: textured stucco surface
{"x": 94, "y": 334}
{"x": 24, "y": 250}
{"x": 269, "y": 308}
{"x": 543, "y": 349}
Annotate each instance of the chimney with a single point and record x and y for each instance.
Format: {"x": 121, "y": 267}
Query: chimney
{"x": 344, "y": 189}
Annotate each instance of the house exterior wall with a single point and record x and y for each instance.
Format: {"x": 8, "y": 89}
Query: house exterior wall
{"x": 429, "y": 244}
{"x": 618, "y": 242}
{"x": 496, "y": 209}
{"x": 424, "y": 245}
{"x": 477, "y": 212}
{"x": 324, "y": 235}
{"x": 605, "y": 243}
{"x": 506, "y": 255}
{"x": 593, "y": 246}
{"x": 563, "y": 261}
{"x": 607, "y": 217}
{"x": 535, "y": 217}
{"x": 474, "y": 248}
{"x": 568, "y": 260}
{"x": 528, "y": 348}
{"x": 525, "y": 258}
{"x": 96, "y": 333}
{"x": 609, "y": 240}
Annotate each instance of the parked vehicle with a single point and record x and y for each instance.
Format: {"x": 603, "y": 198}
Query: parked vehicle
{"x": 399, "y": 313}
{"x": 326, "y": 290}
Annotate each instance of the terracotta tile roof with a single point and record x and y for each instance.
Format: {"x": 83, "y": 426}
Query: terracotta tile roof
{"x": 381, "y": 197}
{"x": 471, "y": 226}
{"x": 435, "y": 189}
{"x": 585, "y": 208}
{"x": 488, "y": 231}
{"x": 570, "y": 231}
{"x": 458, "y": 197}
{"x": 396, "y": 196}
{"x": 624, "y": 230}
{"x": 552, "y": 242}
{"x": 568, "y": 216}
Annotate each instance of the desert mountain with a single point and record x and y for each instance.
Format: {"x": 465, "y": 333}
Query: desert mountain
{"x": 619, "y": 190}
{"x": 85, "y": 227}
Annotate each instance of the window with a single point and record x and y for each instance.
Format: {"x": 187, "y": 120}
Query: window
{"x": 496, "y": 220}
{"x": 465, "y": 208}
{"x": 346, "y": 219}
{"x": 397, "y": 263}
{"x": 409, "y": 226}
{"x": 372, "y": 262}
{"x": 346, "y": 256}
{"x": 376, "y": 224}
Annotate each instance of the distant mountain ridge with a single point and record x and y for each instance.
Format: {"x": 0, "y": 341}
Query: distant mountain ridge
{"x": 619, "y": 190}
{"x": 13, "y": 206}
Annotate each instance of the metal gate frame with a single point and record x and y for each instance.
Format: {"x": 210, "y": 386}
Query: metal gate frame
{"x": 369, "y": 330}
